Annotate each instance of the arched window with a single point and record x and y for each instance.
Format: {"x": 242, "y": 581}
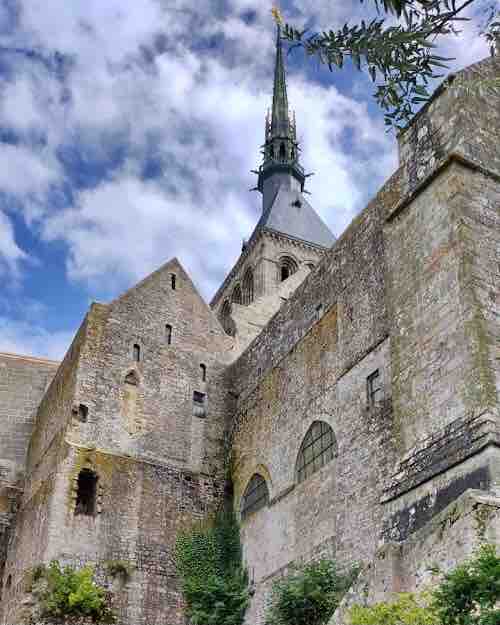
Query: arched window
{"x": 132, "y": 379}
{"x": 225, "y": 318}
{"x": 236, "y": 297}
{"x": 248, "y": 293}
{"x": 287, "y": 267}
{"x": 136, "y": 353}
{"x": 318, "y": 448}
{"x": 255, "y": 497}
{"x": 271, "y": 152}
{"x": 282, "y": 152}
{"x": 292, "y": 154}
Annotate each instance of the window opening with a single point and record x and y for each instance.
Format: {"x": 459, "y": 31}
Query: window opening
{"x": 83, "y": 413}
{"x": 255, "y": 497}
{"x": 287, "y": 267}
{"x": 136, "y": 352}
{"x": 317, "y": 449}
{"x": 236, "y": 297}
{"x": 282, "y": 152}
{"x": 248, "y": 287}
{"x": 203, "y": 369}
{"x": 9, "y": 582}
{"x": 226, "y": 320}
{"x": 374, "y": 388}
{"x": 173, "y": 281}
{"x": 131, "y": 378}
{"x": 168, "y": 334}
{"x": 199, "y": 404}
{"x": 86, "y": 494}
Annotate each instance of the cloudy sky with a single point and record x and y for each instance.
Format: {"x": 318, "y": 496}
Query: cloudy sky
{"x": 128, "y": 129}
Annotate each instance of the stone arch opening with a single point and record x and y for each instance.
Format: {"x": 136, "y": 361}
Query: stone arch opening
{"x": 225, "y": 318}
{"x": 287, "y": 266}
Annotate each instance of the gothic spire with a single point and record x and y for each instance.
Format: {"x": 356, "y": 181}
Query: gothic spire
{"x": 281, "y": 165}
{"x": 280, "y": 121}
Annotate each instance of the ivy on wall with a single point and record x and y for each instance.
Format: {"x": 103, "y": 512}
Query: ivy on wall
{"x": 309, "y": 595}
{"x": 209, "y": 563}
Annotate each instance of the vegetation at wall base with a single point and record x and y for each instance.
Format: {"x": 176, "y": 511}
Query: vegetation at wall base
{"x": 66, "y": 592}
{"x": 309, "y": 595}
{"x": 209, "y": 563}
{"x": 469, "y": 594}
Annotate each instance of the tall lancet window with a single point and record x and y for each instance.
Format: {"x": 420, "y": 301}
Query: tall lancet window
{"x": 248, "y": 287}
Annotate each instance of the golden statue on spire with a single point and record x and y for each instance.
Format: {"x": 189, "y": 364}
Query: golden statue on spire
{"x": 276, "y": 13}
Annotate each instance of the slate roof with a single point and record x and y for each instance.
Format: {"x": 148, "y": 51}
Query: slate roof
{"x": 292, "y": 215}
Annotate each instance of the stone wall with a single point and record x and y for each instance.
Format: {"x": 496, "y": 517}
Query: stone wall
{"x": 23, "y": 381}
{"x": 157, "y": 453}
{"x": 452, "y": 536}
{"x": 310, "y": 363}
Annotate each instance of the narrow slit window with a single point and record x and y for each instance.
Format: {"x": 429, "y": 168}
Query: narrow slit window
{"x": 168, "y": 334}
{"x": 173, "y": 281}
{"x": 86, "y": 494}
{"x": 374, "y": 388}
{"x": 136, "y": 352}
{"x": 203, "y": 369}
{"x": 83, "y": 413}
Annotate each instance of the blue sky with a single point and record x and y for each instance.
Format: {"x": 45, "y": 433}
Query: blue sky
{"x": 128, "y": 132}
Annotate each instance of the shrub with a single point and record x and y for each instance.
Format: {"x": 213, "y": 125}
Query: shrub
{"x": 470, "y": 593}
{"x": 467, "y": 595}
{"x": 309, "y": 595}
{"x": 209, "y": 563}
{"x": 72, "y": 592}
{"x": 406, "y": 609}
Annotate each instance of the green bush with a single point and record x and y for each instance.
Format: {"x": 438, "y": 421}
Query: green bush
{"x": 467, "y": 595}
{"x": 72, "y": 592}
{"x": 470, "y": 593}
{"x": 406, "y": 609}
{"x": 209, "y": 563}
{"x": 309, "y": 595}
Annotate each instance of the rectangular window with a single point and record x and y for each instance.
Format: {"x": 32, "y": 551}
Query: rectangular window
{"x": 374, "y": 388}
{"x": 199, "y": 405}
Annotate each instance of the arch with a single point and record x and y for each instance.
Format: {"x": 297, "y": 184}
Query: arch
{"x": 271, "y": 151}
{"x": 318, "y": 447}
{"x": 255, "y": 497}
{"x": 286, "y": 267}
{"x": 248, "y": 287}
{"x": 282, "y": 152}
{"x": 132, "y": 378}
{"x": 236, "y": 297}
{"x": 225, "y": 318}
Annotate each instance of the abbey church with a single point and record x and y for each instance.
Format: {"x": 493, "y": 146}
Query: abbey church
{"x": 351, "y": 384}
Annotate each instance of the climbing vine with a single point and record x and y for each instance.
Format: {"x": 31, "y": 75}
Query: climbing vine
{"x": 214, "y": 582}
{"x": 309, "y": 595}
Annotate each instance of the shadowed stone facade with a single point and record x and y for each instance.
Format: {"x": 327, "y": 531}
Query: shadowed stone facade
{"x": 386, "y": 342}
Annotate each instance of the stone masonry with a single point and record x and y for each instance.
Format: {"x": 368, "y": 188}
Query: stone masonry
{"x": 356, "y": 381}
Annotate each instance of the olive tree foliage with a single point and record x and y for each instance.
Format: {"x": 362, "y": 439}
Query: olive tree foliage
{"x": 398, "y": 46}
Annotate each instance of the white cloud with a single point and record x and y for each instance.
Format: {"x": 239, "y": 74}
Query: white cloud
{"x": 11, "y": 255}
{"x": 20, "y": 337}
{"x": 145, "y": 79}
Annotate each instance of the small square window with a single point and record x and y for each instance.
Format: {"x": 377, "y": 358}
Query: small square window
{"x": 374, "y": 388}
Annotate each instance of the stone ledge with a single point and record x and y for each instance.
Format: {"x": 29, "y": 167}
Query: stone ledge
{"x": 445, "y": 448}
